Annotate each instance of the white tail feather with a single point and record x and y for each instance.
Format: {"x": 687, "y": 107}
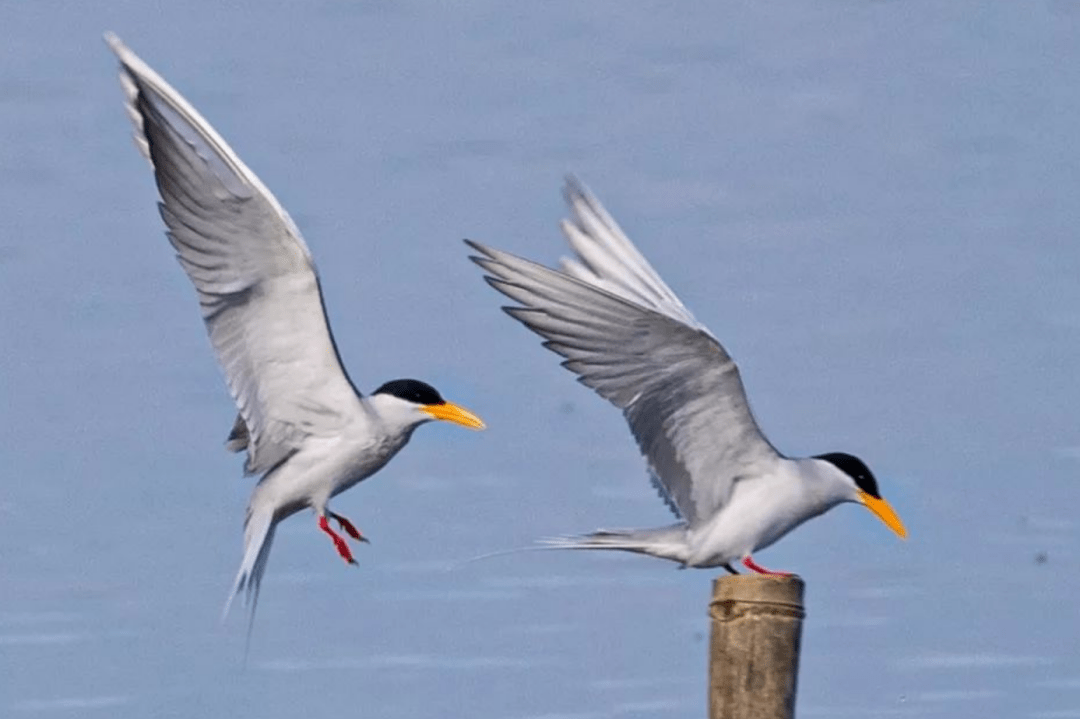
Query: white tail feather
{"x": 662, "y": 542}
{"x": 258, "y": 536}
{"x": 500, "y": 553}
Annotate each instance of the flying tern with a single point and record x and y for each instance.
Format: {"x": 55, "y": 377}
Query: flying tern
{"x": 626, "y": 335}
{"x": 309, "y": 434}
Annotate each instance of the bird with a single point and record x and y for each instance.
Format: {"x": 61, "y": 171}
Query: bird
{"x": 627, "y": 336}
{"x": 309, "y": 434}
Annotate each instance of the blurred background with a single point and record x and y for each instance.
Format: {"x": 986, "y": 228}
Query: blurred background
{"x": 871, "y": 203}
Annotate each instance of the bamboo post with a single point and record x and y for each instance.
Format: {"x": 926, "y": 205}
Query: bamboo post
{"x": 754, "y": 649}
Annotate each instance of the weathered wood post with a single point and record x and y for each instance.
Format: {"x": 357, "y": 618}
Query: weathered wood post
{"x": 754, "y": 649}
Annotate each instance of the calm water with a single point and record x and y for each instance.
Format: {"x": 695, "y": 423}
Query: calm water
{"x": 872, "y": 203}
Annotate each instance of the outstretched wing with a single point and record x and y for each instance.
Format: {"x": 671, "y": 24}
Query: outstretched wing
{"x": 255, "y": 278}
{"x": 627, "y": 336}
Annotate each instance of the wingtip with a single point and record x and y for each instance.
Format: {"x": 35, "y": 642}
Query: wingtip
{"x": 484, "y": 255}
{"x": 115, "y": 44}
{"x": 574, "y": 189}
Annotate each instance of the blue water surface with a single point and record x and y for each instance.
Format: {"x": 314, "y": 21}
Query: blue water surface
{"x": 872, "y": 203}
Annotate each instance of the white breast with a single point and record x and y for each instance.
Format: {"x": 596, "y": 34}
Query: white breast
{"x": 760, "y": 511}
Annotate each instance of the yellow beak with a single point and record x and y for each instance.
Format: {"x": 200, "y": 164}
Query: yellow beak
{"x": 450, "y": 412}
{"x": 884, "y": 512}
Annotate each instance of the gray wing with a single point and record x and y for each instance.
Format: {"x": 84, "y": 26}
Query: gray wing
{"x": 256, "y": 282}
{"x": 677, "y": 387}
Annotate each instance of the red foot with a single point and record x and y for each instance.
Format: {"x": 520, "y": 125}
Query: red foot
{"x": 348, "y": 528}
{"x": 339, "y": 543}
{"x": 750, "y": 564}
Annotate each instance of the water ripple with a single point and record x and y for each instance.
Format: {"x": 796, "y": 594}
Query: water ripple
{"x": 9, "y": 640}
{"x": 73, "y": 703}
{"x": 974, "y": 660}
{"x": 398, "y": 661}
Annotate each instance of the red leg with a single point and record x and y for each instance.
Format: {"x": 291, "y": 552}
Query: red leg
{"x": 339, "y": 543}
{"x": 754, "y": 567}
{"x": 348, "y": 528}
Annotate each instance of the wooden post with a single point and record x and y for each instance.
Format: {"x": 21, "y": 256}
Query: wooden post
{"x": 754, "y": 649}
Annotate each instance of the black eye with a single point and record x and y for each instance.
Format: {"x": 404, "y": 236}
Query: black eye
{"x": 854, "y": 468}
{"x": 412, "y": 390}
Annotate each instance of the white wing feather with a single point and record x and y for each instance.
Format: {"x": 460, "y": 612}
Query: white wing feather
{"x": 607, "y": 259}
{"x": 627, "y": 336}
{"x": 256, "y": 282}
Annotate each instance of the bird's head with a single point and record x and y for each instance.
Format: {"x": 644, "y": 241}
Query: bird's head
{"x": 410, "y": 402}
{"x": 861, "y": 486}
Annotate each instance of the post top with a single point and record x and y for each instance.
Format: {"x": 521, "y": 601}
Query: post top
{"x": 760, "y": 589}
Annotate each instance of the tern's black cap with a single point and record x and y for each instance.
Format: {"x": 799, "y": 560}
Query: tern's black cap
{"x": 412, "y": 390}
{"x": 854, "y": 468}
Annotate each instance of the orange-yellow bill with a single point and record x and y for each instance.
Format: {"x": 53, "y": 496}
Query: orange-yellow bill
{"x": 450, "y": 412}
{"x": 884, "y": 512}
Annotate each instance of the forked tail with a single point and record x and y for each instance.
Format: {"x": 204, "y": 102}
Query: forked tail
{"x": 662, "y": 542}
{"x": 258, "y": 536}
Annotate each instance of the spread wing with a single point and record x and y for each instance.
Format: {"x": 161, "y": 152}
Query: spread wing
{"x": 627, "y": 336}
{"x": 256, "y": 282}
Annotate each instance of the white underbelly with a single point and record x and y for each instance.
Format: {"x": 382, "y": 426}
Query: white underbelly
{"x": 758, "y": 513}
{"x": 323, "y": 469}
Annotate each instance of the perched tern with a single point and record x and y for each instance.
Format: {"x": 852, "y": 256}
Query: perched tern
{"x": 628, "y": 337}
{"x": 309, "y": 434}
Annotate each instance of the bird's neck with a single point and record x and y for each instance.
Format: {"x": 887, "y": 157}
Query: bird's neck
{"x": 824, "y": 487}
